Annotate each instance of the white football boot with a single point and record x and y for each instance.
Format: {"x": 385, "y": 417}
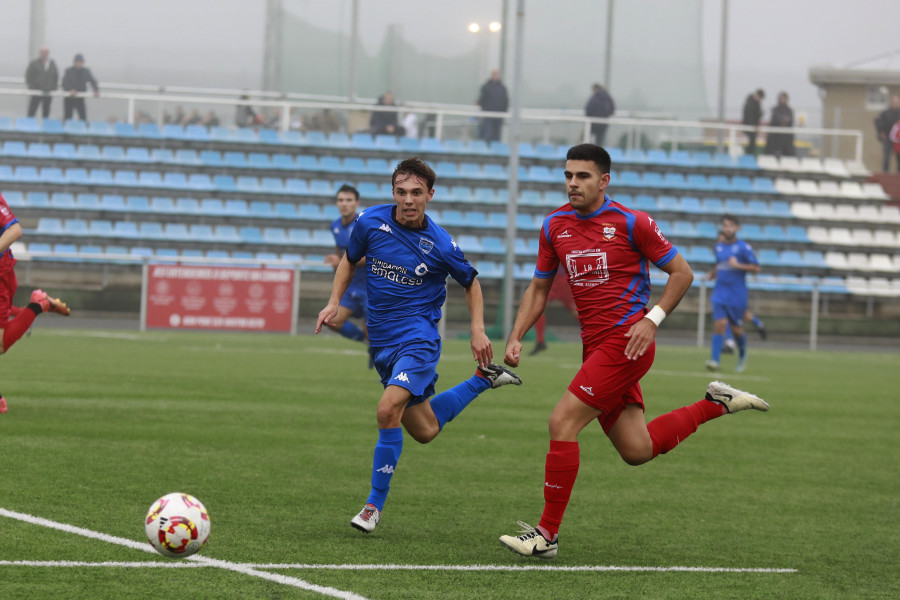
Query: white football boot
{"x": 530, "y": 542}
{"x": 733, "y": 399}
{"x": 499, "y": 375}
{"x": 367, "y": 518}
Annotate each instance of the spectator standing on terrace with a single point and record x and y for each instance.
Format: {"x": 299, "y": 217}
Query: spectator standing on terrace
{"x": 600, "y": 105}
{"x": 43, "y": 76}
{"x": 245, "y": 116}
{"x": 15, "y": 328}
{"x": 408, "y": 259}
{"x": 895, "y": 140}
{"x": 781, "y": 144}
{"x": 752, "y": 114}
{"x": 385, "y": 122}
{"x": 883, "y": 125}
{"x": 75, "y": 81}
{"x": 493, "y": 98}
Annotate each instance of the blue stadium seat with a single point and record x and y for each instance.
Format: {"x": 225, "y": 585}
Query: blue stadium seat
{"x": 100, "y": 128}
{"x": 288, "y": 210}
{"x": 112, "y": 202}
{"x": 675, "y": 181}
{"x": 668, "y": 203}
{"x": 432, "y": 145}
{"x": 177, "y": 231}
{"x": 773, "y": 233}
{"x": 138, "y": 204}
{"x": 61, "y": 201}
{"x": 30, "y": 125}
{"x": 683, "y": 229}
{"x": 149, "y": 131}
{"x": 188, "y": 206}
{"x": 691, "y": 204}
{"x": 453, "y": 218}
{"x": 331, "y": 164}
{"x": 86, "y": 202}
{"x": 200, "y": 181}
{"x": 64, "y": 151}
{"x": 261, "y": 210}
{"x": 124, "y": 130}
{"x": 322, "y": 187}
{"x": 477, "y": 147}
{"x": 269, "y": 136}
{"x": 59, "y": 250}
{"x": 114, "y": 153}
{"x": 751, "y": 232}
{"x": 26, "y": 174}
{"x": 251, "y": 235}
{"x": 89, "y": 152}
{"x": 6, "y": 124}
{"x": 39, "y": 150}
{"x": 53, "y": 175}
{"x": 125, "y": 229}
{"x": 259, "y": 160}
{"x": 453, "y": 146}
{"x": 814, "y": 259}
{"x": 187, "y": 156}
{"x": 150, "y": 230}
{"x": 38, "y": 199}
{"x": 126, "y": 178}
{"x": 162, "y": 155}
{"x": 354, "y": 165}
{"x": 740, "y": 183}
{"x": 697, "y": 181}
{"x": 175, "y": 180}
{"x": 236, "y": 208}
{"x": 196, "y": 133}
{"x": 227, "y": 234}
{"x": 735, "y": 206}
{"x": 708, "y": 230}
{"x": 137, "y": 154}
{"x": 221, "y": 134}
{"x": 296, "y": 187}
{"x": 224, "y": 183}
{"x": 680, "y": 158}
{"x": 162, "y": 205}
{"x": 378, "y": 166}
{"x": 201, "y": 232}
{"x": 645, "y": 202}
{"x": 747, "y": 161}
{"x": 15, "y": 148}
{"x": 293, "y": 138}
{"x": 796, "y": 233}
{"x": 274, "y": 235}
{"x": 14, "y": 198}
{"x": 212, "y": 206}
{"x": 235, "y": 159}
{"x": 272, "y": 185}
{"x": 713, "y": 206}
{"x": 300, "y": 237}
{"x": 211, "y": 158}
{"x": 363, "y": 141}
{"x": 410, "y": 145}
{"x": 52, "y": 126}
{"x": 101, "y": 228}
{"x": 339, "y": 140}
{"x": 283, "y": 161}
{"x": 101, "y": 177}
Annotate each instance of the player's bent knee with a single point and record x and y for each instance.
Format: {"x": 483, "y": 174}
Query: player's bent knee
{"x": 424, "y": 435}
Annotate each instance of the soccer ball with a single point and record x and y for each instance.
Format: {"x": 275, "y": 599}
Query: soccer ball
{"x": 177, "y": 525}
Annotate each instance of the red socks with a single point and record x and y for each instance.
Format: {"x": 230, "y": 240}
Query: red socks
{"x": 561, "y": 469}
{"x": 670, "y": 429}
{"x": 17, "y": 327}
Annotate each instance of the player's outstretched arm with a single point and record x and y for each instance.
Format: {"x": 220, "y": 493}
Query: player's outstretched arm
{"x": 534, "y": 301}
{"x": 481, "y": 343}
{"x": 343, "y": 275}
{"x": 642, "y": 333}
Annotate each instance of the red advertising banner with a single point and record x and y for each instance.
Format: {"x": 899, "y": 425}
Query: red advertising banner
{"x": 212, "y": 297}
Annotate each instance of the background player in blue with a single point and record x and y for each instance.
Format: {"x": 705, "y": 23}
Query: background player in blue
{"x": 734, "y": 259}
{"x": 353, "y": 302}
{"x": 408, "y": 259}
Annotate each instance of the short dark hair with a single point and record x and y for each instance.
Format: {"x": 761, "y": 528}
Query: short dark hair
{"x": 416, "y": 167}
{"x": 591, "y": 152}
{"x": 732, "y": 218}
{"x": 348, "y": 188}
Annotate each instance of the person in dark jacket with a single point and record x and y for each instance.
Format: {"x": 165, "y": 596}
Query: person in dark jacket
{"x": 752, "y": 114}
{"x": 385, "y": 122}
{"x": 883, "y": 124}
{"x": 781, "y": 144}
{"x": 601, "y": 105}
{"x": 75, "y": 80}
{"x": 41, "y": 75}
{"x": 493, "y": 97}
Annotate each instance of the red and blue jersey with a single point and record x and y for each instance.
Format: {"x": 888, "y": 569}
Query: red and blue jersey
{"x": 606, "y": 256}
{"x": 7, "y": 218}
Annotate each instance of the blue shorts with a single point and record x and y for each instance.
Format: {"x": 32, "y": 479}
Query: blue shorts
{"x": 411, "y": 365}
{"x": 734, "y": 314}
{"x": 355, "y": 300}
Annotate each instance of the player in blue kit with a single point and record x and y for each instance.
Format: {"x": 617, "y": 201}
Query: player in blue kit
{"x": 408, "y": 260}
{"x": 353, "y": 302}
{"x": 734, "y": 259}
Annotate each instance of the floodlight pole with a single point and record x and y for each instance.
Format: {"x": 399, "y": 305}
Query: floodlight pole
{"x": 723, "y": 65}
{"x": 509, "y": 280}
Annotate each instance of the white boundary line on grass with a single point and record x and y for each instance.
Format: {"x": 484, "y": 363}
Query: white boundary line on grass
{"x": 222, "y": 564}
{"x": 391, "y": 567}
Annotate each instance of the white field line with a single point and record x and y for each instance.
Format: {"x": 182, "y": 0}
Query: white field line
{"x": 211, "y": 562}
{"x": 392, "y": 567}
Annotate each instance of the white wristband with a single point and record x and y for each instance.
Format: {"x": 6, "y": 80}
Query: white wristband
{"x": 656, "y": 315}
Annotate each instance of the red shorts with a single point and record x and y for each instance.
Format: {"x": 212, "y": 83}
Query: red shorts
{"x": 609, "y": 381}
{"x": 8, "y": 286}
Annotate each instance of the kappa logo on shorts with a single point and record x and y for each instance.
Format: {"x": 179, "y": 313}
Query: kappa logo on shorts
{"x": 588, "y": 390}
{"x": 402, "y": 377}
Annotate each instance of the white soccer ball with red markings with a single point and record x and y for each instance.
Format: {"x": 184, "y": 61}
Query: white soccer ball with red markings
{"x": 177, "y": 525}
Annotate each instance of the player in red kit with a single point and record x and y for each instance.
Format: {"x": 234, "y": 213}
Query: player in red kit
{"x": 10, "y": 231}
{"x": 605, "y": 250}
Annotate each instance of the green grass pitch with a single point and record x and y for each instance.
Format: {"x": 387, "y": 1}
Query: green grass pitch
{"x": 275, "y": 435}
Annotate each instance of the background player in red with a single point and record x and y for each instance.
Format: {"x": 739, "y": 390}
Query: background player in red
{"x": 605, "y": 249}
{"x": 10, "y": 231}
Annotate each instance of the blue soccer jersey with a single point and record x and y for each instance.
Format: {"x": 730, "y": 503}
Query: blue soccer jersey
{"x": 731, "y": 283}
{"x": 406, "y": 271}
{"x": 341, "y": 234}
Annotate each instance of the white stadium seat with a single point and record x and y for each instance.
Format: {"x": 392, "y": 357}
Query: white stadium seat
{"x": 790, "y": 163}
{"x": 811, "y": 165}
{"x": 824, "y": 210}
{"x": 857, "y": 169}
{"x": 861, "y": 237}
{"x": 857, "y": 285}
{"x": 890, "y": 214}
{"x": 869, "y": 213}
{"x": 884, "y": 238}
{"x": 835, "y": 166}
{"x": 851, "y": 189}
{"x": 881, "y": 262}
{"x": 785, "y": 186}
{"x": 857, "y": 261}
{"x": 840, "y": 235}
{"x": 836, "y": 260}
{"x": 845, "y": 212}
{"x": 768, "y": 162}
{"x": 829, "y": 189}
{"x": 802, "y": 210}
{"x": 808, "y": 187}
{"x": 875, "y": 191}
{"x": 817, "y": 235}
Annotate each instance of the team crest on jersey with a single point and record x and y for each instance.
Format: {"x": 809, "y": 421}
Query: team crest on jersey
{"x": 609, "y": 231}
{"x": 425, "y": 246}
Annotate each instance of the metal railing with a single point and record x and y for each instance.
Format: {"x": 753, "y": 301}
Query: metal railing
{"x": 546, "y": 125}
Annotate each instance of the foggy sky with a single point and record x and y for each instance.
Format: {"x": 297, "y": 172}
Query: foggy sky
{"x": 219, "y": 43}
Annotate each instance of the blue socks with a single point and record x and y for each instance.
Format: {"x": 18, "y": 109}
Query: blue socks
{"x": 717, "y": 341}
{"x": 741, "y": 342}
{"x": 387, "y": 453}
{"x": 450, "y": 403}
{"x": 352, "y": 332}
